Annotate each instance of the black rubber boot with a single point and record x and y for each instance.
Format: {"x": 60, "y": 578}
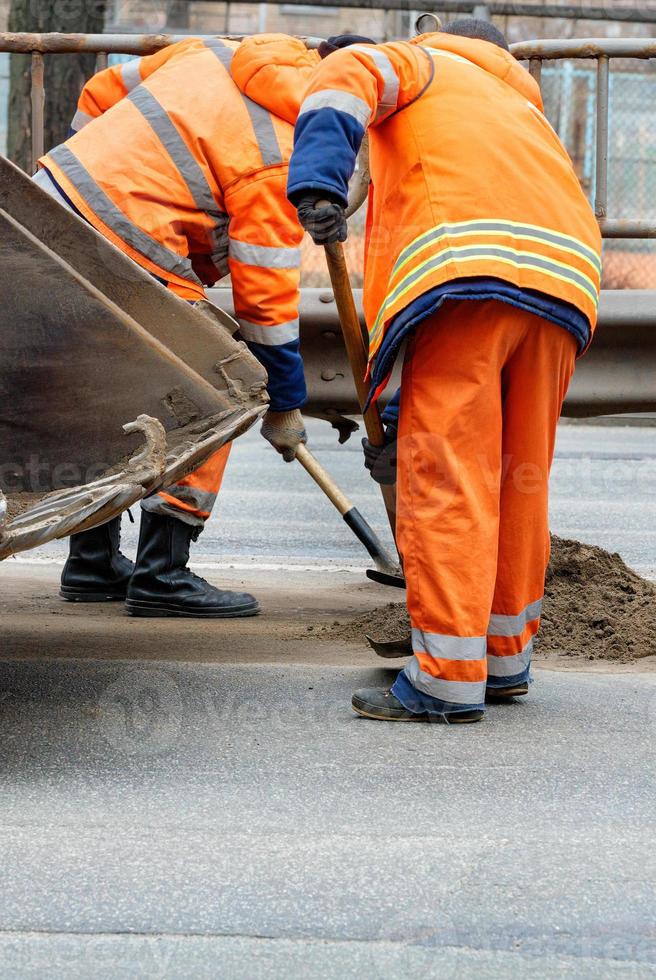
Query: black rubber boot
{"x": 96, "y": 571}
{"x": 380, "y": 704}
{"x": 162, "y": 585}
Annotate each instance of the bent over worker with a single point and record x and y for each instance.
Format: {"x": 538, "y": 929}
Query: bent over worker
{"x": 483, "y": 252}
{"x": 187, "y": 176}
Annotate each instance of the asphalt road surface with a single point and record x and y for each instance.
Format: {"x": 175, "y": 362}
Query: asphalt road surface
{"x": 271, "y": 513}
{"x": 179, "y": 800}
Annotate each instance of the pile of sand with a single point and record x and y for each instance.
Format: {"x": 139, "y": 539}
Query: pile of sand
{"x": 389, "y": 622}
{"x": 594, "y": 606}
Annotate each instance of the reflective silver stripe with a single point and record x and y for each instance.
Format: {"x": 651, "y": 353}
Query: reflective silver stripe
{"x": 219, "y": 256}
{"x": 42, "y": 178}
{"x": 114, "y": 218}
{"x": 190, "y": 171}
{"x": 513, "y": 625}
{"x": 131, "y": 73}
{"x": 453, "y": 692}
{"x": 265, "y": 134}
{"x": 220, "y": 264}
{"x": 223, "y": 53}
{"x": 390, "y": 97}
{"x": 281, "y": 333}
{"x": 333, "y": 98}
{"x": 510, "y": 666}
{"x": 261, "y": 120}
{"x": 201, "y": 500}
{"x": 188, "y": 168}
{"x": 80, "y": 120}
{"x": 448, "y": 647}
{"x": 157, "y": 505}
{"x": 265, "y": 256}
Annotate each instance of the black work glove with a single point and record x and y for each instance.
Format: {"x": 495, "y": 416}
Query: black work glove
{"x": 381, "y": 460}
{"x": 325, "y": 224}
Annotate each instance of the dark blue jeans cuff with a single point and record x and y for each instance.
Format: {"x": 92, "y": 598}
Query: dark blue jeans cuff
{"x": 419, "y": 703}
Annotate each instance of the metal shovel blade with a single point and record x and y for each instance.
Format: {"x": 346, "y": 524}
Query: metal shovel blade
{"x": 393, "y": 578}
{"x": 391, "y": 649}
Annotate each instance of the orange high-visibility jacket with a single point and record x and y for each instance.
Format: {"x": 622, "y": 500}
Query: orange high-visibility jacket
{"x": 187, "y": 175}
{"x": 109, "y": 86}
{"x": 468, "y": 177}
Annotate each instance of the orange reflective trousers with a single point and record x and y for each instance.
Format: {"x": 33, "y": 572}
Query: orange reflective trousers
{"x": 483, "y": 385}
{"x": 192, "y": 498}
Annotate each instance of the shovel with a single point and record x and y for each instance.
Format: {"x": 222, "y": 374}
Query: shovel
{"x": 357, "y": 355}
{"x": 387, "y": 570}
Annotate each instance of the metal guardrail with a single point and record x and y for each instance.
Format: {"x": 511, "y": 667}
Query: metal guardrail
{"x": 602, "y": 50}
{"x": 617, "y": 375}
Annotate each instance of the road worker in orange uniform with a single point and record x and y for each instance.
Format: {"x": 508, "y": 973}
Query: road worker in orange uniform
{"x": 483, "y": 253}
{"x": 186, "y": 174}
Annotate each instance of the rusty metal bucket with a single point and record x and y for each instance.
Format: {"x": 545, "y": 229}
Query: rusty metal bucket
{"x": 95, "y": 357}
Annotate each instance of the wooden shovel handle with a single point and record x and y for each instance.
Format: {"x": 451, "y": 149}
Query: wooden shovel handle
{"x": 356, "y": 349}
{"x": 353, "y": 338}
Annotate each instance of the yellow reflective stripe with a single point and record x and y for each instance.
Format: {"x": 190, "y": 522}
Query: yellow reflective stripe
{"x": 480, "y": 232}
{"x": 428, "y": 268}
{"x": 501, "y": 248}
{"x": 378, "y": 324}
{"x": 477, "y": 224}
{"x": 377, "y": 328}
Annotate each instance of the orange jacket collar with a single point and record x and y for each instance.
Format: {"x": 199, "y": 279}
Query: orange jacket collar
{"x": 489, "y": 57}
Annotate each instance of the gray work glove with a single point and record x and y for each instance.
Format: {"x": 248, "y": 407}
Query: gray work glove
{"x": 381, "y": 460}
{"x": 285, "y": 431}
{"x": 325, "y": 224}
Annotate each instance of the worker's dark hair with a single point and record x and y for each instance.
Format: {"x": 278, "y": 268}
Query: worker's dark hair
{"x": 480, "y": 30}
{"x": 341, "y": 41}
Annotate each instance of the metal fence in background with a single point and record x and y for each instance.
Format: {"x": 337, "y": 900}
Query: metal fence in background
{"x": 4, "y": 99}
{"x": 569, "y": 93}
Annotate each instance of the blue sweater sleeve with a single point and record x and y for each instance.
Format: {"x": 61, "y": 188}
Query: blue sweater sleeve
{"x": 326, "y": 144}
{"x": 390, "y": 415}
{"x": 284, "y": 365}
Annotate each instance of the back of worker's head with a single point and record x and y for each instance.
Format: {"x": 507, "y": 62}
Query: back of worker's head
{"x": 341, "y": 41}
{"x": 479, "y": 30}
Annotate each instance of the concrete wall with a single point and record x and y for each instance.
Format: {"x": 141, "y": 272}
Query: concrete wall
{"x": 204, "y": 16}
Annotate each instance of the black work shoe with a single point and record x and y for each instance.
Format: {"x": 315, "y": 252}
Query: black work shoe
{"x": 96, "y": 571}
{"x": 162, "y": 585}
{"x": 374, "y": 702}
{"x": 506, "y": 693}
